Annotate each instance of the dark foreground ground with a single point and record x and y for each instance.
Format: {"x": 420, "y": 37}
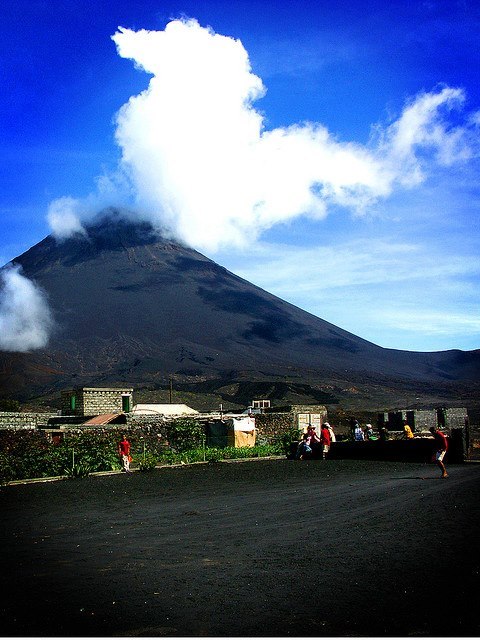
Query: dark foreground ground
{"x": 261, "y": 548}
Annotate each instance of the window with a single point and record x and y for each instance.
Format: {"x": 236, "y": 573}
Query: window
{"x": 261, "y": 404}
{"x": 73, "y": 402}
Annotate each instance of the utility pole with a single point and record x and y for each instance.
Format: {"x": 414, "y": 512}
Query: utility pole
{"x": 170, "y": 389}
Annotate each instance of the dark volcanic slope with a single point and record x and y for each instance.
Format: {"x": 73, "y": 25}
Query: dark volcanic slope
{"x": 132, "y": 306}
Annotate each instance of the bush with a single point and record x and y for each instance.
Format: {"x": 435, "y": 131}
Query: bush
{"x": 9, "y": 405}
{"x": 284, "y": 442}
{"x": 79, "y": 470}
{"x": 168, "y": 457}
{"x": 185, "y": 433}
{"x": 28, "y": 453}
{"x": 7, "y": 469}
{"x": 214, "y": 455}
{"x": 148, "y": 462}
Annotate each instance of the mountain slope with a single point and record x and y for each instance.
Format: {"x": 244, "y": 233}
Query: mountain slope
{"x": 130, "y": 306}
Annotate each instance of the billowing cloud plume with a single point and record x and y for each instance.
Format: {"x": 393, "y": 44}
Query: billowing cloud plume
{"x": 202, "y": 165}
{"x": 64, "y": 217}
{"x": 25, "y": 318}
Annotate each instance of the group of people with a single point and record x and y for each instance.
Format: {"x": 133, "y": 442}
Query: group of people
{"x": 312, "y": 443}
{"x": 360, "y": 434}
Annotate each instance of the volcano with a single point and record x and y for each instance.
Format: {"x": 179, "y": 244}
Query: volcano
{"x": 132, "y": 307}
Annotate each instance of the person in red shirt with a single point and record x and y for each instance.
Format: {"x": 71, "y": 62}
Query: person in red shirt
{"x": 325, "y": 439}
{"x": 124, "y": 453}
{"x": 441, "y": 445}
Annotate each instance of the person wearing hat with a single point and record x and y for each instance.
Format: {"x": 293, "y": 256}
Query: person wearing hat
{"x": 330, "y": 430}
{"x": 368, "y": 432}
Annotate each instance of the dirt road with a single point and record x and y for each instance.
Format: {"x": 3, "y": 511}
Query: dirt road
{"x": 260, "y": 548}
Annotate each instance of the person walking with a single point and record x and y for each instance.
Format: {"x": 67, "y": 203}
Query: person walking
{"x": 441, "y": 445}
{"x": 124, "y": 453}
{"x": 325, "y": 440}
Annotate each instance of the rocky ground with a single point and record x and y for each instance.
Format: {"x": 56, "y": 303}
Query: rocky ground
{"x": 257, "y": 548}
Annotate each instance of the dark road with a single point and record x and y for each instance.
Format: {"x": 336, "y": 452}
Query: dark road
{"x": 258, "y": 548}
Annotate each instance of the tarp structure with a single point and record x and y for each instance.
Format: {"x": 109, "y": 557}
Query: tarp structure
{"x": 231, "y": 432}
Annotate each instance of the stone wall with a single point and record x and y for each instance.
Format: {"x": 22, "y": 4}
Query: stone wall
{"x": 145, "y": 422}
{"x": 422, "y": 419}
{"x": 456, "y": 418}
{"x": 473, "y": 443}
{"x": 18, "y": 420}
{"x": 279, "y": 420}
{"x": 271, "y": 426}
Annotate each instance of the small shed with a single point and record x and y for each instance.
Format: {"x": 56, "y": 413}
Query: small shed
{"x": 231, "y": 432}
{"x": 94, "y": 401}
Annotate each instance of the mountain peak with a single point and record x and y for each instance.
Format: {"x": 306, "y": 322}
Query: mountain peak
{"x": 130, "y": 305}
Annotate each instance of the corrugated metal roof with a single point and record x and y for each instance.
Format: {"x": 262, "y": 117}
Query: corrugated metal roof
{"x": 105, "y": 418}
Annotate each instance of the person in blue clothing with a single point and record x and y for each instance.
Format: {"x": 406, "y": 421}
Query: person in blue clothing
{"x": 359, "y": 435}
{"x": 304, "y": 448}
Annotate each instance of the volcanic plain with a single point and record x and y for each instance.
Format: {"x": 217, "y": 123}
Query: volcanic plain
{"x": 258, "y": 548}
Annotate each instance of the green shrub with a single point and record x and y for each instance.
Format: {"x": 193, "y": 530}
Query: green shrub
{"x": 148, "y": 462}
{"x": 185, "y": 433}
{"x": 9, "y": 405}
{"x": 79, "y": 470}
{"x": 7, "y": 469}
{"x": 28, "y": 453}
{"x": 214, "y": 455}
{"x": 168, "y": 456}
{"x": 283, "y": 443}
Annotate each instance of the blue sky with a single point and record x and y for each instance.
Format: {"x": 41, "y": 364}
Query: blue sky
{"x": 326, "y": 151}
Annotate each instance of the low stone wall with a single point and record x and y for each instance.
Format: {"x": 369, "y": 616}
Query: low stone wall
{"x": 19, "y": 420}
{"x": 271, "y": 426}
{"x": 415, "y": 450}
{"x": 473, "y": 443}
{"x": 144, "y": 422}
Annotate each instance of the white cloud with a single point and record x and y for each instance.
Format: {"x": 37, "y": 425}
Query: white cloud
{"x": 64, "y": 217}
{"x": 198, "y": 162}
{"x": 441, "y": 322}
{"x": 423, "y": 127}
{"x": 203, "y": 165}
{"x": 25, "y": 318}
